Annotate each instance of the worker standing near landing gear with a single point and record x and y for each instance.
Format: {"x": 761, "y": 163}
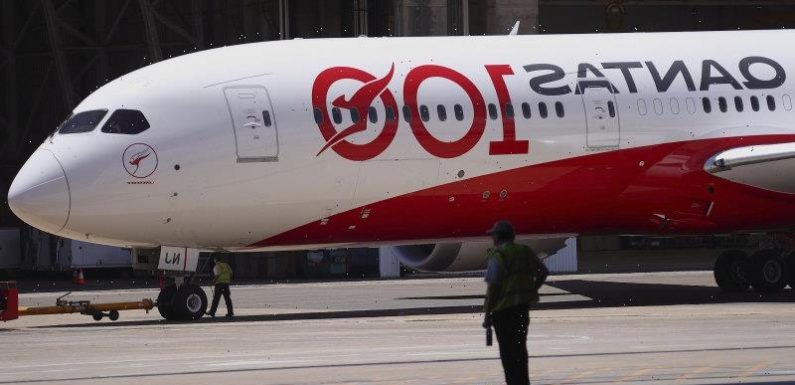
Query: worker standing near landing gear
{"x": 223, "y": 277}
{"x": 514, "y": 276}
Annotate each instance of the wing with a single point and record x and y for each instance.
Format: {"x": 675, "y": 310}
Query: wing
{"x": 770, "y": 167}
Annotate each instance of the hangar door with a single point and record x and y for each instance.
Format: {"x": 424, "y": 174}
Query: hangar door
{"x": 601, "y": 113}
{"x": 256, "y": 136}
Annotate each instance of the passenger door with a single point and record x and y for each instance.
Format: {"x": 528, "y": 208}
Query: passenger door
{"x": 256, "y": 135}
{"x": 601, "y": 114}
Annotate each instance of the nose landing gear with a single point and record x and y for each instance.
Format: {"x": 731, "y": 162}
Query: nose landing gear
{"x": 165, "y": 300}
{"x": 187, "y": 302}
{"x": 190, "y": 302}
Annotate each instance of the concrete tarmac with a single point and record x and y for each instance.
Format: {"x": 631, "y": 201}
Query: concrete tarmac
{"x": 660, "y": 328}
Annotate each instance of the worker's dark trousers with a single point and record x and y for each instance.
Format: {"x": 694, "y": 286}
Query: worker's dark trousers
{"x": 221, "y": 289}
{"x": 510, "y": 325}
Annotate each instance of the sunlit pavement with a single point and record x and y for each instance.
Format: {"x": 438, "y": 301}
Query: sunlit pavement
{"x": 660, "y": 328}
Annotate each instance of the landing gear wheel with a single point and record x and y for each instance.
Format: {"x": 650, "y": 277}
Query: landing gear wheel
{"x": 769, "y": 271}
{"x": 731, "y": 271}
{"x": 97, "y": 316}
{"x": 791, "y": 264}
{"x": 165, "y": 302}
{"x": 113, "y": 315}
{"x": 190, "y": 302}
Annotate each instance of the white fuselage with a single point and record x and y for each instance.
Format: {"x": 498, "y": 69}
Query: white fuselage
{"x": 238, "y": 138}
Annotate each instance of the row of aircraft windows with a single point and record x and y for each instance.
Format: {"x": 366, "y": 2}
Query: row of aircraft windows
{"x": 441, "y": 113}
{"x": 723, "y": 103}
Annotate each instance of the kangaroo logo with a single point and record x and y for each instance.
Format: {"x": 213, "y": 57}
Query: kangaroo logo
{"x": 361, "y": 100}
{"x": 140, "y": 160}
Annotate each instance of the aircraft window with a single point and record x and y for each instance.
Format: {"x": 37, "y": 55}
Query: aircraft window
{"x": 674, "y": 102}
{"x": 738, "y": 104}
{"x": 459, "y": 112}
{"x": 771, "y": 103}
{"x": 542, "y": 110}
{"x": 722, "y": 104}
{"x": 691, "y": 106}
{"x": 390, "y": 114}
{"x": 492, "y": 111}
{"x": 318, "y": 116}
{"x": 442, "y": 112}
{"x": 787, "y": 102}
{"x": 658, "y": 106}
{"x": 611, "y": 109}
{"x": 128, "y": 122}
{"x": 642, "y": 109}
{"x": 526, "y": 110}
{"x": 707, "y": 105}
{"x": 560, "y": 112}
{"x": 754, "y": 103}
{"x": 407, "y": 113}
{"x": 82, "y": 122}
{"x": 336, "y": 115}
{"x": 372, "y": 114}
{"x": 425, "y": 115}
{"x": 354, "y": 115}
{"x": 509, "y": 110}
{"x": 266, "y": 118}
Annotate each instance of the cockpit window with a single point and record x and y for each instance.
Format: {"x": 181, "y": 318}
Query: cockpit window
{"x": 82, "y": 122}
{"x": 129, "y": 122}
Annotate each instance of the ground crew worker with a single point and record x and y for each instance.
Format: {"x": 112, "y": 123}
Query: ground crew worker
{"x": 223, "y": 276}
{"x": 514, "y": 275}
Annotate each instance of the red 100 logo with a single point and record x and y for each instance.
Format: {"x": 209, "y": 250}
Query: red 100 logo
{"x": 376, "y": 88}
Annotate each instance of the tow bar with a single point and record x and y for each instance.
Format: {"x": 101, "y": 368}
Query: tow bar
{"x": 9, "y": 302}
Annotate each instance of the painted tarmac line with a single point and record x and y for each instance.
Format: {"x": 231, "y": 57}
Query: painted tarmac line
{"x": 755, "y": 369}
{"x": 695, "y": 373}
{"x": 635, "y": 376}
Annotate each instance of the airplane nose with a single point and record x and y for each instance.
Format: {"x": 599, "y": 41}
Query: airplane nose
{"x": 39, "y": 195}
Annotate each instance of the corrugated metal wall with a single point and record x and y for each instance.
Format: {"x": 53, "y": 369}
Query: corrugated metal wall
{"x": 565, "y": 260}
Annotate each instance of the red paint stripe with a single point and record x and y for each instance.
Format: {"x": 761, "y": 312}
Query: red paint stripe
{"x": 603, "y": 193}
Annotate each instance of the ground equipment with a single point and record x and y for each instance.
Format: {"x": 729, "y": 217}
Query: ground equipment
{"x": 9, "y": 306}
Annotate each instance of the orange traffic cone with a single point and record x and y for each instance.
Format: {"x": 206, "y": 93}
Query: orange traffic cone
{"x": 81, "y": 279}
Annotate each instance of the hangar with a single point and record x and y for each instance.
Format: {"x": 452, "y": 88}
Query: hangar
{"x": 55, "y": 52}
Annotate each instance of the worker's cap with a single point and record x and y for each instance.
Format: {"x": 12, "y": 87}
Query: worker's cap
{"x": 502, "y": 229}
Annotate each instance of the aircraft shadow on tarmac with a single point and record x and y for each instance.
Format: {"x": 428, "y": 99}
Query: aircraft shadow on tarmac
{"x": 610, "y": 294}
{"x": 294, "y": 316}
{"x": 581, "y": 293}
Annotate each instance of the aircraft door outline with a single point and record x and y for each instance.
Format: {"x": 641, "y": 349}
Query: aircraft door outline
{"x": 253, "y": 123}
{"x": 603, "y": 129}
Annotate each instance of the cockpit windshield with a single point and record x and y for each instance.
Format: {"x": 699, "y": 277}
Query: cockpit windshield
{"x": 128, "y": 122}
{"x": 82, "y": 122}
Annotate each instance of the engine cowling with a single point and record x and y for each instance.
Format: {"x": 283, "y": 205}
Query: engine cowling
{"x": 464, "y": 256}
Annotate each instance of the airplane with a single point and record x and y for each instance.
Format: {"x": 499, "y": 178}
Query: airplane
{"x": 422, "y": 143}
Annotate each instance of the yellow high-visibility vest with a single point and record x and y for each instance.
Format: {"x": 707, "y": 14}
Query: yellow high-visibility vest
{"x": 518, "y": 276}
{"x": 224, "y": 273}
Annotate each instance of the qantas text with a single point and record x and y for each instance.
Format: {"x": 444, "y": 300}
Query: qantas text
{"x": 546, "y": 79}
